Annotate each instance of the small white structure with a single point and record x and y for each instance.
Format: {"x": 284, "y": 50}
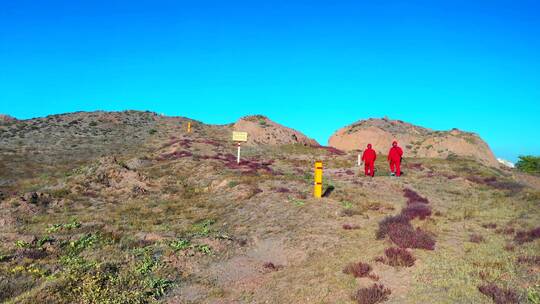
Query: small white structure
{"x": 505, "y": 162}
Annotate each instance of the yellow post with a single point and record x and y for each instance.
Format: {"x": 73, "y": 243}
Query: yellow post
{"x": 317, "y": 191}
{"x": 189, "y": 127}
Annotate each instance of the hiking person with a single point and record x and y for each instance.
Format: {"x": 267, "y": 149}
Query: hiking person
{"x": 368, "y": 157}
{"x": 394, "y": 157}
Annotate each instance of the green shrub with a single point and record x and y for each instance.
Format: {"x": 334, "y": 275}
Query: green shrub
{"x": 529, "y": 164}
{"x": 180, "y": 244}
{"x": 73, "y": 224}
{"x": 203, "y": 228}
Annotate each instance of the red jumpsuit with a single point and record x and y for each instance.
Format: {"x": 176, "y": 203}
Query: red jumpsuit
{"x": 369, "y": 156}
{"x": 394, "y": 157}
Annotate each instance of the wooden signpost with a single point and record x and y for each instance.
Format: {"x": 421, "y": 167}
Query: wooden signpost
{"x": 239, "y": 138}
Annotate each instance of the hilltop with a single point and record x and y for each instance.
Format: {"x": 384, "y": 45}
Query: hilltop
{"x": 130, "y": 207}
{"x": 416, "y": 141}
{"x": 263, "y": 131}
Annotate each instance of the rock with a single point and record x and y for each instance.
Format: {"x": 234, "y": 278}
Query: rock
{"x": 137, "y": 163}
{"x": 416, "y": 141}
{"x": 37, "y": 198}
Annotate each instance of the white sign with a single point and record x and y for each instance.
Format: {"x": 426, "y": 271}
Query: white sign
{"x": 239, "y": 136}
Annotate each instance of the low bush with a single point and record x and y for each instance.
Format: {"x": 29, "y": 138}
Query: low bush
{"x": 476, "y": 238}
{"x": 398, "y": 257}
{"x": 389, "y": 221}
{"x": 408, "y": 237}
{"x": 527, "y": 236}
{"x": 532, "y": 260}
{"x": 413, "y": 197}
{"x": 489, "y": 225}
{"x": 269, "y": 266}
{"x": 377, "y": 293}
{"x": 416, "y": 210}
{"x": 499, "y": 295}
{"x": 350, "y": 226}
{"x": 358, "y": 270}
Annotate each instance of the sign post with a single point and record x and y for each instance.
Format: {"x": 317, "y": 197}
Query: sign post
{"x": 189, "y": 127}
{"x": 239, "y": 138}
{"x": 317, "y": 191}
{"x": 238, "y": 154}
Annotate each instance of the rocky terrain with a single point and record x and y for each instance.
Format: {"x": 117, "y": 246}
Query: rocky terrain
{"x": 416, "y": 141}
{"x": 128, "y": 207}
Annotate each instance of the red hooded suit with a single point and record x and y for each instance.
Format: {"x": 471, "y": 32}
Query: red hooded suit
{"x": 369, "y": 156}
{"x": 394, "y": 157}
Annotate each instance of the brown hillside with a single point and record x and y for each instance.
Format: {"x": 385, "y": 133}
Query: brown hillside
{"x": 416, "y": 141}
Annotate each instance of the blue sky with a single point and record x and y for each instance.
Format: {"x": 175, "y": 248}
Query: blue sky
{"x": 311, "y": 65}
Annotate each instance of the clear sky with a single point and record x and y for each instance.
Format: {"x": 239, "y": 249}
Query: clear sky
{"x": 311, "y": 65}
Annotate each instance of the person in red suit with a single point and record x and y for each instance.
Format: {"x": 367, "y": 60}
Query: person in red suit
{"x": 368, "y": 157}
{"x": 394, "y": 157}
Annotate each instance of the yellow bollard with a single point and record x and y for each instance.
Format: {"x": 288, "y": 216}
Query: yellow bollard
{"x": 317, "y": 191}
{"x": 189, "y": 127}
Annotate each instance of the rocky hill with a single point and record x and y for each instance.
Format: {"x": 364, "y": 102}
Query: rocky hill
{"x": 263, "y": 131}
{"x": 128, "y": 207}
{"x": 6, "y": 119}
{"x": 416, "y": 141}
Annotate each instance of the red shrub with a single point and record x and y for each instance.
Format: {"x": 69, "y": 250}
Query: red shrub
{"x": 413, "y": 197}
{"x": 380, "y": 259}
{"x": 186, "y": 143}
{"x": 527, "y": 236}
{"x": 174, "y": 155}
{"x": 358, "y": 270}
{"x": 282, "y": 190}
{"x": 386, "y": 223}
{"x": 498, "y": 295}
{"x": 249, "y": 166}
{"x": 507, "y": 230}
{"x": 509, "y": 247}
{"x": 489, "y": 225}
{"x": 494, "y": 183}
{"x": 407, "y": 237}
{"x": 398, "y": 257}
{"x": 534, "y": 260}
{"x": 271, "y": 266}
{"x": 415, "y": 210}
{"x": 476, "y": 238}
{"x": 377, "y": 293}
{"x": 350, "y": 226}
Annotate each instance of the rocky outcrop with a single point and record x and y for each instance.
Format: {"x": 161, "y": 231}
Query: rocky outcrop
{"x": 416, "y": 141}
{"x": 263, "y": 131}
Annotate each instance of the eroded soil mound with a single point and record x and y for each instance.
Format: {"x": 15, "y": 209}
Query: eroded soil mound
{"x": 416, "y": 141}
